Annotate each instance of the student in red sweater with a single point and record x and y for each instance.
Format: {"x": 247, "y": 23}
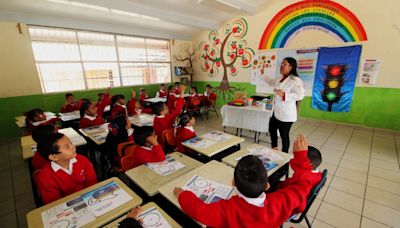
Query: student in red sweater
{"x": 165, "y": 120}
{"x": 120, "y": 131}
{"x": 252, "y": 207}
{"x": 67, "y": 172}
{"x": 36, "y": 117}
{"x": 177, "y": 90}
{"x": 103, "y": 100}
{"x": 70, "y": 104}
{"x": 143, "y": 95}
{"x": 40, "y": 134}
{"x": 171, "y": 98}
{"x": 209, "y": 96}
{"x": 185, "y": 130}
{"x": 162, "y": 92}
{"x": 148, "y": 150}
{"x": 314, "y": 155}
{"x": 118, "y": 106}
{"x": 192, "y": 97}
{"x": 91, "y": 115}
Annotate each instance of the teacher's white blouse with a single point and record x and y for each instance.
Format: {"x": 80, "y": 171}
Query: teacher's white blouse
{"x": 286, "y": 110}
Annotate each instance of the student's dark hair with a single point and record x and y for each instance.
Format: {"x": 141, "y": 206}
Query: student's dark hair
{"x": 292, "y": 63}
{"x": 68, "y": 95}
{"x": 170, "y": 88}
{"x": 142, "y": 90}
{"x": 32, "y": 113}
{"x": 41, "y": 132}
{"x": 115, "y": 98}
{"x": 195, "y": 88}
{"x": 49, "y": 146}
{"x": 250, "y": 176}
{"x": 162, "y": 84}
{"x": 176, "y": 83}
{"x": 141, "y": 133}
{"x": 119, "y": 123}
{"x": 315, "y": 156}
{"x": 157, "y": 108}
{"x": 184, "y": 118}
{"x": 84, "y": 106}
{"x": 129, "y": 223}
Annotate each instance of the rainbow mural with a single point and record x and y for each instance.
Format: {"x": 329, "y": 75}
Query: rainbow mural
{"x": 323, "y": 15}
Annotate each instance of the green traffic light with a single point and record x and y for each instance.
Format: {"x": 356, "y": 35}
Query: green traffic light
{"x": 331, "y": 96}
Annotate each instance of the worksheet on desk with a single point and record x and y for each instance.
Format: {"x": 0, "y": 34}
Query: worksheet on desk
{"x": 166, "y": 167}
{"x": 207, "y": 190}
{"x": 153, "y": 218}
{"x": 216, "y": 136}
{"x": 198, "y": 142}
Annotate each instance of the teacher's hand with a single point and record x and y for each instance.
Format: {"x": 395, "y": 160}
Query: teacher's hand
{"x": 280, "y": 93}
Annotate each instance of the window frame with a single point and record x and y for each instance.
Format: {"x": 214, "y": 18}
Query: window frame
{"x": 117, "y": 61}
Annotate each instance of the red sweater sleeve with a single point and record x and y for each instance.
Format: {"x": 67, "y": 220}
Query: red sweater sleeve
{"x": 48, "y": 188}
{"x": 178, "y": 109}
{"x": 157, "y": 154}
{"x": 91, "y": 177}
{"x": 102, "y": 105}
{"x": 209, "y": 214}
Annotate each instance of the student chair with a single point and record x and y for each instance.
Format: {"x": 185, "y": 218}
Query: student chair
{"x": 168, "y": 137}
{"x": 125, "y": 148}
{"x": 313, "y": 194}
{"x": 128, "y": 162}
{"x": 194, "y": 107}
{"x": 211, "y": 107}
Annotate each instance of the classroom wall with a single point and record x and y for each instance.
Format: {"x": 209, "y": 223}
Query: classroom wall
{"x": 20, "y": 88}
{"x": 373, "y": 105}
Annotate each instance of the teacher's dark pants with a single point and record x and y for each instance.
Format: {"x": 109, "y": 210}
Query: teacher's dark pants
{"x": 284, "y": 129}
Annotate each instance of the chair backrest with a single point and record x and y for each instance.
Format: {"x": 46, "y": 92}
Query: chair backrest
{"x": 169, "y": 137}
{"x": 311, "y": 197}
{"x": 128, "y": 162}
{"x": 125, "y": 148}
{"x": 196, "y": 101}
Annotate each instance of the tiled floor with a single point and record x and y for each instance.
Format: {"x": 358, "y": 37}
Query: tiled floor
{"x": 362, "y": 190}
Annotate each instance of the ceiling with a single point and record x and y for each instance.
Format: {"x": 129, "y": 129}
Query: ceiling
{"x": 174, "y": 19}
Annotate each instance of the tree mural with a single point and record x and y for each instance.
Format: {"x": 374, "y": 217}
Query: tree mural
{"x": 226, "y": 50}
{"x": 186, "y": 55}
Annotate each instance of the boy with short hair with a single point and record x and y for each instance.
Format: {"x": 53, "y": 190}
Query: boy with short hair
{"x": 165, "y": 120}
{"x": 67, "y": 172}
{"x": 252, "y": 207}
{"x": 40, "y": 134}
{"x": 148, "y": 149}
{"x": 70, "y": 104}
{"x": 177, "y": 90}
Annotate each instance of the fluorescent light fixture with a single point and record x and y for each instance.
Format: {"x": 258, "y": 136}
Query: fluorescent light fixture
{"x": 228, "y": 4}
{"x": 89, "y": 6}
{"x": 124, "y": 13}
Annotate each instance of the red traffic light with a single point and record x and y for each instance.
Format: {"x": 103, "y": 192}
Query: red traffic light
{"x": 335, "y": 71}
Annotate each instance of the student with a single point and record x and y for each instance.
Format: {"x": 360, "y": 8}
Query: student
{"x": 36, "y": 117}
{"x": 314, "y": 155}
{"x": 148, "y": 150}
{"x": 40, "y": 134}
{"x": 118, "y": 106}
{"x": 192, "y": 96}
{"x": 70, "y": 104}
{"x": 120, "y": 131}
{"x": 171, "y": 98}
{"x": 209, "y": 96}
{"x": 92, "y": 115}
{"x": 67, "y": 172}
{"x": 252, "y": 207}
{"x": 162, "y": 92}
{"x": 177, "y": 91}
{"x": 133, "y": 107}
{"x": 131, "y": 220}
{"x": 185, "y": 130}
{"x": 164, "y": 120}
{"x": 143, "y": 95}
{"x": 104, "y": 99}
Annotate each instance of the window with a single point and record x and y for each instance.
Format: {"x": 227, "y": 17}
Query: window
{"x": 68, "y": 60}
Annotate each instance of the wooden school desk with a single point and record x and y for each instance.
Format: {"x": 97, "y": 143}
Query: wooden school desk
{"x": 155, "y": 100}
{"x": 143, "y": 119}
{"x": 97, "y": 134}
{"x": 151, "y": 182}
{"x": 214, "y": 170}
{"x": 69, "y": 116}
{"x": 218, "y": 146}
{"x": 145, "y": 207}
{"x": 27, "y": 143}
{"x": 231, "y": 159}
{"x": 34, "y": 217}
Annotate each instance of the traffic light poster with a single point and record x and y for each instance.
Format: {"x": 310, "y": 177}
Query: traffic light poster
{"x": 335, "y": 78}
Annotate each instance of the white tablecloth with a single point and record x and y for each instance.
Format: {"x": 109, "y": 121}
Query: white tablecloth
{"x": 248, "y": 117}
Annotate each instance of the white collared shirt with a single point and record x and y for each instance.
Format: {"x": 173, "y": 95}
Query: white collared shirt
{"x": 147, "y": 148}
{"x": 89, "y": 117}
{"x": 190, "y": 128}
{"x": 160, "y": 116}
{"x": 57, "y": 167}
{"x": 193, "y": 95}
{"x": 121, "y": 105}
{"x": 258, "y": 202}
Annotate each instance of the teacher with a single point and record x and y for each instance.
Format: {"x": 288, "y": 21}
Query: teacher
{"x": 288, "y": 89}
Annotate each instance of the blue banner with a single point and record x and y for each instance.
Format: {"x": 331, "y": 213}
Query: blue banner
{"x": 335, "y": 78}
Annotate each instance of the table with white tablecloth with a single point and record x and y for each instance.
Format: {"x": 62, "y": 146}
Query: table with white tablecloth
{"x": 246, "y": 117}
